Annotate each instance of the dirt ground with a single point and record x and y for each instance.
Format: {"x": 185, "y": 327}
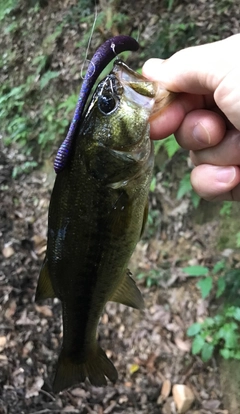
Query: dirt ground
{"x": 146, "y": 347}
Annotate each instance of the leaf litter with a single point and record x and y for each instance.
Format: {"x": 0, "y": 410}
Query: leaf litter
{"x": 148, "y": 347}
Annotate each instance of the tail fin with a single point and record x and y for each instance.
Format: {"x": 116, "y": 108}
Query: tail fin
{"x": 96, "y": 367}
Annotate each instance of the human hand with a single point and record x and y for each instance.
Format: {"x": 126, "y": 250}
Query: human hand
{"x": 205, "y": 117}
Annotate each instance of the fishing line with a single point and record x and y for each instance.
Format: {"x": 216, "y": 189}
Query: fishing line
{"x": 89, "y": 42}
{"x": 138, "y": 35}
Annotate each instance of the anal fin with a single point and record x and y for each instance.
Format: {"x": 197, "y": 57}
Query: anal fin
{"x": 44, "y": 287}
{"x": 128, "y": 293}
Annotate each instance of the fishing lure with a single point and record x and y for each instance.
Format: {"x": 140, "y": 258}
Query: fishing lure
{"x": 102, "y": 57}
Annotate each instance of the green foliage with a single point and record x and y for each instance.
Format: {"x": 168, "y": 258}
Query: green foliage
{"x": 11, "y": 27}
{"x": 70, "y": 103}
{"x": 221, "y": 286}
{"x": 172, "y": 36}
{"x": 25, "y": 130}
{"x": 39, "y": 61}
{"x": 50, "y": 39}
{"x": 196, "y": 270}
{"x": 232, "y": 286}
{"x": 226, "y": 209}
{"x": 153, "y": 221}
{"x": 47, "y": 77}
{"x": 220, "y": 332}
{"x": 6, "y": 7}
{"x": 153, "y": 184}
{"x": 171, "y": 147}
{"x": 185, "y": 188}
{"x": 108, "y": 18}
{"x": 21, "y": 122}
{"x": 170, "y": 4}
{"x": 205, "y": 286}
{"x": 238, "y": 239}
{"x": 152, "y": 278}
{"x": 24, "y": 168}
{"x": 14, "y": 119}
{"x": 80, "y": 12}
{"x": 53, "y": 125}
{"x": 169, "y": 144}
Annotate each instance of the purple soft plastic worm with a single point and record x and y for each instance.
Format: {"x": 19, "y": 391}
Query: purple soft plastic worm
{"x": 103, "y": 56}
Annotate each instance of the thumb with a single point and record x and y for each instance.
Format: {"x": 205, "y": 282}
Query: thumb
{"x": 213, "y": 68}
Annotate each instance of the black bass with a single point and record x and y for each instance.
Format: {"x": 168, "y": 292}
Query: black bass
{"x": 97, "y": 214}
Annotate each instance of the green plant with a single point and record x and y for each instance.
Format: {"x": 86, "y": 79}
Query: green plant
{"x": 170, "y": 4}
{"x": 169, "y": 144}
{"x": 14, "y": 119}
{"x": 232, "y": 286}
{"x": 11, "y": 27}
{"x": 219, "y": 332}
{"x": 171, "y": 147}
{"x": 151, "y": 278}
{"x": 20, "y": 127}
{"x": 39, "y": 61}
{"x": 222, "y": 330}
{"x": 47, "y": 77}
{"x": 171, "y": 36}
{"x": 226, "y": 209}
{"x": 53, "y": 124}
{"x": 185, "y": 188}
{"x": 238, "y": 239}
{"x": 153, "y": 222}
{"x": 6, "y": 7}
{"x": 206, "y": 284}
{"x": 24, "y": 168}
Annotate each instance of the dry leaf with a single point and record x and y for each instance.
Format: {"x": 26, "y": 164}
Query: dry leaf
{"x": 184, "y": 346}
{"x": 3, "y": 341}
{"x": 44, "y": 310}
{"x": 33, "y": 391}
{"x": 11, "y": 309}
{"x": 7, "y": 251}
{"x": 165, "y": 391}
{"x": 133, "y": 368}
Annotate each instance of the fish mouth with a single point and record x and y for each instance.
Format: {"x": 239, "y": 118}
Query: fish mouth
{"x": 137, "y": 89}
{"x": 148, "y": 94}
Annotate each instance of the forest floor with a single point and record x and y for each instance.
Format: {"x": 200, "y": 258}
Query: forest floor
{"x": 147, "y": 347}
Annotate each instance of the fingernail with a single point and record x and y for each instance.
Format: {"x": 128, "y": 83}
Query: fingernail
{"x": 226, "y": 174}
{"x": 151, "y": 68}
{"x": 201, "y": 134}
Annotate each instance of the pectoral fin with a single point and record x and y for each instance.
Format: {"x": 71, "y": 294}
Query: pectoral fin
{"x": 44, "y": 287}
{"x": 128, "y": 293}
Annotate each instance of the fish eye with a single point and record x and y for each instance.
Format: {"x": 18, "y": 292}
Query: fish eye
{"x": 107, "y": 104}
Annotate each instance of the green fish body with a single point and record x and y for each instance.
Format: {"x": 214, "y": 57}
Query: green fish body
{"x": 97, "y": 213}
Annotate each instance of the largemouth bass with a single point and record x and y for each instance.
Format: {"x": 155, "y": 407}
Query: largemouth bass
{"x": 97, "y": 214}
